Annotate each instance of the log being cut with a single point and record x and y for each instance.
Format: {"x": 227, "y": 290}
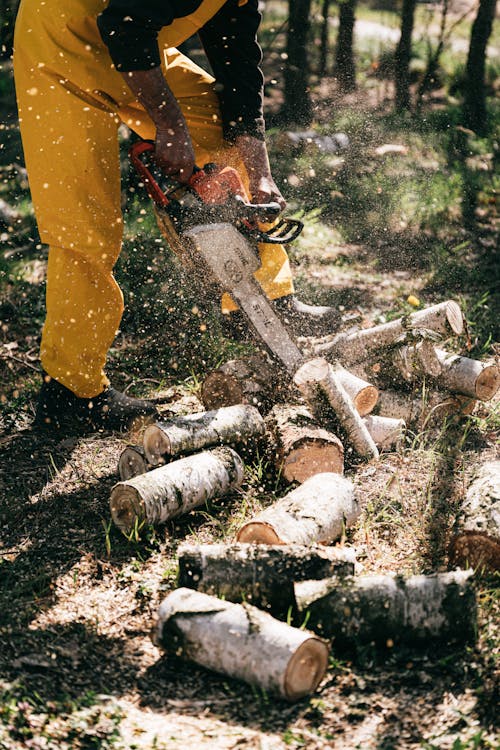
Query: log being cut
{"x": 251, "y": 381}
{"x": 233, "y": 425}
{"x": 476, "y": 537}
{"x": 429, "y": 408}
{"x": 175, "y": 489}
{"x": 445, "y": 319}
{"x": 261, "y": 575}
{"x": 318, "y": 511}
{"x": 132, "y": 462}
{"x": 317, "y": 379}
{"x": 240, "y": 641}
{"x": 467, "y": 376}
{"x": 303, "y": 448}
{"x": 390, "y": 609}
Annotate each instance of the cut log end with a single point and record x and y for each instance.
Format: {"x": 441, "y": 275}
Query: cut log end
{"x": 305, "y": 669}
{"x": 366, "y": 400}
{"x": 312, "y": 457}
{"x": 488, "y": 383}
{"x": 220, "y": 389}
{"x": 258, "y": 533}
{"x": 475, "y": 550}
{"x": 132, "y": 462}
{"x": 156, "y": 445}
{"x": 126, "y": 507}
{"x": 455, "y": 317}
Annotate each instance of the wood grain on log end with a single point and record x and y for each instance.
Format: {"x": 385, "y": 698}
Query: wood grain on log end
{"x": 476, "y": 550}
{"x": 126, "y": 507}
{"x": 258, "y": 533}
{"x": 366, "y": 400}
{"x": 488, "y": 383}
{"x": 312, "y": 457}
{"x": 132, "y": 462}
{"x": 306, "y": 669}
{"x": 219, "y": 389}
{"x": 156, "y": 445}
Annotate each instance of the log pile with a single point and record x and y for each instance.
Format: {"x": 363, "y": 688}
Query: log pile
{"x": 352, "y": 396}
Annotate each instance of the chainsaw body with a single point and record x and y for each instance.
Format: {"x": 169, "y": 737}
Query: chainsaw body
{"x": 214, "y": 230}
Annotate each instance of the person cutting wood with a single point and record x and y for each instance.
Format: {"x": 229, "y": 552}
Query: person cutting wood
{"x": 82, "y": 67}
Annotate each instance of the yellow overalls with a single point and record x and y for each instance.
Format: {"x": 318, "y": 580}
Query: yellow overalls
{"x": 71, "y": 101}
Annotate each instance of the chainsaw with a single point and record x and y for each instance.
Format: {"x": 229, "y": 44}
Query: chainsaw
{"x": 214, "y": 230}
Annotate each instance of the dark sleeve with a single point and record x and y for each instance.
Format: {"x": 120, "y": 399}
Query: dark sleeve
{"x": 129, "y": 29}
{"x": 230, "y": 43}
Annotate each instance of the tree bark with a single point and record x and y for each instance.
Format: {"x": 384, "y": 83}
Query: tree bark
{"x": 303, "y": 448}
{"x": 132, "y": 462}
{"x": 445, "y": 318}
{"x": 385, "y": 432}
{"x": 428, "y": 409}
{"x": 345, "y": 70}
{"x": 261, "y": 575}
{"x": 468, "y": 376}
{"x": 297, "y": 107}
{"x": 317, "y": 379}
{"x": 476, "y": 537}
{"x": 324, "y": 45}
{"x": 475, "y": 95}
{"x": 233, "y": 425}
{"x": 403, "y": 56}
{"x": 243, "y": 381}
{"x": 390, "y": 609}
{"x": 241, "y": 641}
{"x": 318, "y": 511}
{"x": 174, "y": 489}
{"x": 416, "y": 361}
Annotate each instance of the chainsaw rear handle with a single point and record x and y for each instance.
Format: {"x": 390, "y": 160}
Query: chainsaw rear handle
{"x": 159, "y": 186}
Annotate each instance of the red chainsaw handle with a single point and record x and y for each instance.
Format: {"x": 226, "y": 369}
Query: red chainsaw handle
{"x": 157, "y": 184}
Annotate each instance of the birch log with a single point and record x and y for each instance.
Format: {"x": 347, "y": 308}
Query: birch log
{"x": 243, "y": 381}
{"x": 476, "y": 537}
{"x": 417, "y": 361}
{"x": 445, "y": 319}
{"x": 318, "y": 511}
{"x": 390, "y": 609}
{"x": 386, "y": 432}
{"x": 364, "y": 395}
{"x": 240, "y": 641}
{"x": 317, "y": 378}
{"x": 132, "y": 462}
{"x": 468, "y": 376}
{"x": 177, "y": 488}
{"x": 233, "y": 425}
{"x": 303, "y": 448}
{"x": 261, "y": 575}
{"x": 429, "y": 408}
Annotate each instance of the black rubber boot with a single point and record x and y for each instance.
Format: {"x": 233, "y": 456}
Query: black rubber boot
{"x": 60, "y": 409}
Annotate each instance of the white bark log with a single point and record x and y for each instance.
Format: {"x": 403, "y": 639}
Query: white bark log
{"x": 390, "y": 609}
{"x": 132, "y": 462}
{"x": 317, "y": 376}
{"x": 468, "y": 376}
{"x": 476, "y": 537}
{"x": 364, "y": 395}
{"x": 318, "y": 511}
{"x": 428, "y": 409}
{"x": 445, "y": 318}
{"x": 177, "y": 488}
{"x": 303, "y": 448}
{"x": 240, "y": 641}
{"x": 262, "y": 575}
{"x": 386, "y": 432}
{"x": 417, "y": 360}
{"x": 233, "y": 425}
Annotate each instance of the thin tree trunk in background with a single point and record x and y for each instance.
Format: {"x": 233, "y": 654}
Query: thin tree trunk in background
{"x": 345, "y": 70}
{"x": 475, "y": 97}
{"x": 297, "y": 107}
{"x": 8, "y": 13}
{"x": 323, "y": 55}
{"x": 403, "y": 56}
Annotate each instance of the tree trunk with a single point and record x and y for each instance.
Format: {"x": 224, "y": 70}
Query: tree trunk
{"x": 318, "y": 511}
{"x": 233, "y": 425}
{"x": 174, "y": 489}
{"x": 468, "y": 376}
{"x": 241, "y": 641}
{"x": 243, "y": 381}
{"x": 445, "y": 318}
{"x": 421, "y": 412}
{"x": 475, "y": 96}
{"x": 476, "y": 538}
{"x": 261, "y": 575}
{"x": 345, "y": 70}
{"x": 317, "y": 379}
{"x": 132, "y": 462}
{"x": 403, "y": 56}
{"x": 303, "y": 448}
{"x": 297, "y": 107}
{"x": 385, "y": 432}
{"x": 389, "y": 609}
{"x": 324, "y": 45}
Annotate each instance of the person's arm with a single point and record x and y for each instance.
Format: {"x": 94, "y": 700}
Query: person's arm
{"x": 230, "y": 43}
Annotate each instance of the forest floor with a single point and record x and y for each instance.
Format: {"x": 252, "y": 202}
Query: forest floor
{"x": 78, "y": 599}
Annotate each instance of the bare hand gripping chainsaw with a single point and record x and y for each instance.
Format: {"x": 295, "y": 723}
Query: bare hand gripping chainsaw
{"x": 214, "y": 230}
